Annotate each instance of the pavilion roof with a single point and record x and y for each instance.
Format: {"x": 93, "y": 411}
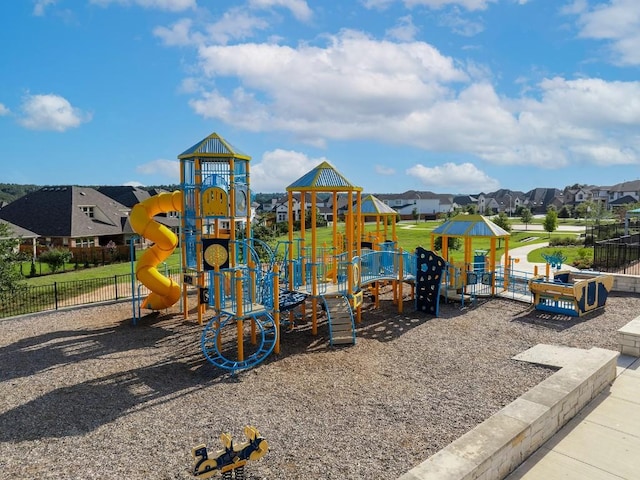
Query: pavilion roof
{"x": 324, "y": 178}
{"x": 374, "y": 206}
{"x": 463, "y": 225}
{"x": 213, "y": 146}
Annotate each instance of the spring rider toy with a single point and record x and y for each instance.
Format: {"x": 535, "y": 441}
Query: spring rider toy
{"x": 229, "y": 462}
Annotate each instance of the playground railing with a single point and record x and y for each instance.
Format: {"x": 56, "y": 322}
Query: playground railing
{"x": 61, "y": 295}
{"x": 229, "y": 285}
{"x": 409, "y": 265}
{"x": 513, "y": 282}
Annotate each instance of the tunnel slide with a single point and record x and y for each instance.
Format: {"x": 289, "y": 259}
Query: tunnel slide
{"x": 164, "y": 291}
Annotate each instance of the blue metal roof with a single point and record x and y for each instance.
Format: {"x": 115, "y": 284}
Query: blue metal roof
{"x": 323, "y": 177}
{"x": 213, "y": 146}
{"x": 470, "y": 226}
{"x": 374, "y": 206}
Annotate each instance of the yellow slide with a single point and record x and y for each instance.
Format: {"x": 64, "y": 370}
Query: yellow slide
{"x": 164, "y": 291}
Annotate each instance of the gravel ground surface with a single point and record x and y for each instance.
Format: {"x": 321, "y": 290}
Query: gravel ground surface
{"x": 83, "y": 394}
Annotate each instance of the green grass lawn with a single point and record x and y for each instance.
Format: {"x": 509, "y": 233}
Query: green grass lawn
{"x": 71, "y": 274}
{"x": 410, "y": 235}
{"x": 572, "y": 254}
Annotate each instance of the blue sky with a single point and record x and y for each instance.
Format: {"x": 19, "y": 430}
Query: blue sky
{"x": 452, "y": 96}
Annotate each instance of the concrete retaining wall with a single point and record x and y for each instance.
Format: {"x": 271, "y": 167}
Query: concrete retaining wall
{"x": 499, "y": 444}
{"x": 626, "y": 283}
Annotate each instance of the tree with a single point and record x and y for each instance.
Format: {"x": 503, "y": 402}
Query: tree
{"x": 9, "y": 258}
{"x": 565, "y": 212}
{"x": 502, "y": 220}
{"x": 453, "y": 243}
{"x": 586, "y": 210}
{"x": 415, "y": 214}
{"x": 55, "y": 258}
{"x": 526, "y": 217}
{"x": 551, "y": 221}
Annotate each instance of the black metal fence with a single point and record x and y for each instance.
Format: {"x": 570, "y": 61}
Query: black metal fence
{"x": 58, "y": 295}
{"x": 608, "y": 231}
{"x": 618, "y": 255}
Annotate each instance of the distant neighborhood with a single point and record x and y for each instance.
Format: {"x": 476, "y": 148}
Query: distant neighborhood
{"x": 74, "y": 216}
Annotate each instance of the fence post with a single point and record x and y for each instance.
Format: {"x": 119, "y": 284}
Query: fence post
{"x": 115, "y": 281}
{"x": 55, "y": 294}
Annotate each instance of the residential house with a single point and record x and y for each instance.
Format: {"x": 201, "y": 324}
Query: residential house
{"x": 129, "y": 196}
{"x": 539, "y": 200}
{"x": 24, "y": 235}
{"x": 69, "y": 216}
{"x": 280, "y": 207}
{"x": 425, "y": 204}
{"x": 631, "y": 189}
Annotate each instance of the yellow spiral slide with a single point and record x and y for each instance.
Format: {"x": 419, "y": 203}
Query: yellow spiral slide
{"x": 164, "y": 291}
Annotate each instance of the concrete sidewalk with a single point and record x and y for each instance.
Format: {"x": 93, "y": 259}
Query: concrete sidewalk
{"x": 523, "y": 265}
{"x": 602, "y": 442}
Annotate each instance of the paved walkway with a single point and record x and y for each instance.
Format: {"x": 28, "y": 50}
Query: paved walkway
{"x": 523, "y": 265}
{"x": 602, "y": 442}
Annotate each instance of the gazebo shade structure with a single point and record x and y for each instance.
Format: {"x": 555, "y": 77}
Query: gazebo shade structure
{"x": 469, "y": 227}
{"x": 383, "y": 213}
{"x": 325, "y": 179}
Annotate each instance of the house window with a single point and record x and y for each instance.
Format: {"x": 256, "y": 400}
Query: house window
{"x": 87, "y": 210}
{"x": 86, "y": 242}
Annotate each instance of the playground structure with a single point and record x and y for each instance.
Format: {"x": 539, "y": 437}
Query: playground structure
{"x": 571, "y": 293}
{"x": 231, "y": 460}
{"x": 246, "y": 284}
{"x": 478, "y": 274}
{"x": 254, "y": 291}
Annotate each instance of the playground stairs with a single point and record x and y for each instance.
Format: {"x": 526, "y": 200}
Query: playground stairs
{"x": 342, "y": 329}
{"x": 266, "y": 339}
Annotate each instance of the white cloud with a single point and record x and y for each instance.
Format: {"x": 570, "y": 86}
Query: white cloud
{"x": 382, "y": 170}
{"x": 4, "y": 110}
{"x": 169, "y": 169}
{"x": 348, "y": 89}
{"x": 462, "y": 177}
{"x": 50, "y": 112}
{"x": 298, "y": 8}
{"x": 436, "y": 4}
{"x": 404, "y": 31}
{"x": 170, "y": 5}
{"x": 41, "y": 5}
{"x": 279, "y": 168}
{"x": 575, "y": 8}
{"x": 235, "y": 24}
{"x": 358, "y": 88}
{"x": 459, "y": 24}
{"x": 178, "y": 34}
{"x": 608, "y": 155}
{"x": 617, "y": 22}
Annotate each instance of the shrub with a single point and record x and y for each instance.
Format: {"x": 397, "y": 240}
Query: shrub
{"x": 565, "y": 242}
{"x": 55, "y": 258}
{"x": 583, "y": 261}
